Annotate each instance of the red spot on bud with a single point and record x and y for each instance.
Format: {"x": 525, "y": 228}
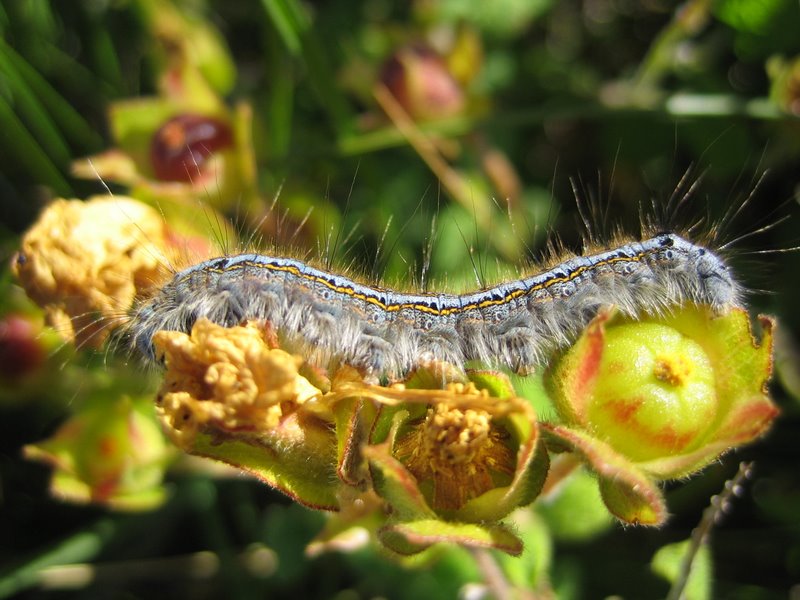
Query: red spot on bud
{"x": 107, "y": 446}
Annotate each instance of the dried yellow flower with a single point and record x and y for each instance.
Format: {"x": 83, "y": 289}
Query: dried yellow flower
{"x": 227, "y": 379}
{"x": 459, "y": 452}
{"x": 86, "y": 262}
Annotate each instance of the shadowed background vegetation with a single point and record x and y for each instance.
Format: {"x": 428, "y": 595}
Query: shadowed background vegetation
{"x": 617, "y": 102}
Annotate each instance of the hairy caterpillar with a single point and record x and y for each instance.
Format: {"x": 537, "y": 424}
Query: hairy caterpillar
{"x": 330, "y": 318}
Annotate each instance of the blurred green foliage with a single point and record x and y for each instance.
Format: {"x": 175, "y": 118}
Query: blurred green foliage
{"x": 621, "y": 97}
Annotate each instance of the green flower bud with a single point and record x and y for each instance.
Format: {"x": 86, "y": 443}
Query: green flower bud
{"x": 111, "y": 453}
{"x": 655, "y": 391}
{"x": 659, "y": 398}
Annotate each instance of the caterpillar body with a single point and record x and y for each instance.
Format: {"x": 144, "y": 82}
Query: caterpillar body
{"x": 332, "y": 319}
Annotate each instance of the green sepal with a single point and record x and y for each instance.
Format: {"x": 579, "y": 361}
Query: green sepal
{"x": 298, "y": 461}
{"x": 395, "y": 484}
{"x": 354, "y": 419}
{"x": 496, "y": 383}
{"x": 627, "y": 491}
{"x": 411, "y": 537}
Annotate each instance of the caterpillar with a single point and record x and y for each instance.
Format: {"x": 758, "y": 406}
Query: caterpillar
{"x": 333, "y": 319}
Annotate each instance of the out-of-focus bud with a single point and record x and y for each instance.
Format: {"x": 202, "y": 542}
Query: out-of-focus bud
{"x": 785, "y": 83}
{"x": 110, "y": 452}
{"x": 21, "y": 352}
{"x": 422, "y": 84}
{"x": 181, "y": 146}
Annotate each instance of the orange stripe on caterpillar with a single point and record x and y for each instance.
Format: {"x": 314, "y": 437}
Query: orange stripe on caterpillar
{"x": 332, "y": 319}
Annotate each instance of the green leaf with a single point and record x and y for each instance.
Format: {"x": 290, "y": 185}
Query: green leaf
{"x": 503, "y": 18}
{"x": 668, "y": 563}
{"x": 299, "y": 472}
{"x": 628, "y": 492}
{"x": 395, "y": 484}
{"x": 532, "y": 567}
{"x": 747, "y": 15}
{"x": 80, "y": 547}
{"x": 574, "y": 511}
{"x": 411, "y": 537}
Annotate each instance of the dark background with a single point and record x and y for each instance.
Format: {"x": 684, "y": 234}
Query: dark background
{"x": 588, "y": 91}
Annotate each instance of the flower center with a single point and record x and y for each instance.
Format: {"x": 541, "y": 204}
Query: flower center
{"x": 453, "y": 436}
{"x": 456, "y": 455}
{"x": 674, "y": 370}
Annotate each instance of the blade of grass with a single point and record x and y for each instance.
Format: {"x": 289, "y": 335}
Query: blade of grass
{"x": 288, "y": 22}
{"x": 31, "y": 111}
{"x": 279, "y": 101}
{"x": 76, "y": 129}
{"x": 294, "y": 27}
{"x": 28, "y": 154}
{"x": 77, "y": 548}
{"x": 105, "y": 57}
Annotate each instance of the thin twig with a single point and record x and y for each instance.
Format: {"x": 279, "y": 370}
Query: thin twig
{"x": 493, "y": 575}
{"x": 711, "y": 515}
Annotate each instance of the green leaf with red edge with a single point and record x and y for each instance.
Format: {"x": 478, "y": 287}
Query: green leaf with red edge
{"x": 395, "y": 484}
{"x": 354, "y": 418}
{"x": 627, "y": 491}
{"x": 578, "y": 369}
{"x": 303, "y": 467}
{"x": 411, "y": 537}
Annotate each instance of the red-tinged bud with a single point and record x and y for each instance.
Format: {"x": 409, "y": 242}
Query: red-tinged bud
{"x": 20, "y": 351}
{"x": 183, "y": 144}
{"x": 422, "y": 84}
{"x": 660, "y": 398}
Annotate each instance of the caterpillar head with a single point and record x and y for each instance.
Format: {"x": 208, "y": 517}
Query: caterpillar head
{"x": 703, "y": 274}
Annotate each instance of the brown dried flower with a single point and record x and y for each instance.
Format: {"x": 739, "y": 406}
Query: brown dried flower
{"x": 86, "y": 262}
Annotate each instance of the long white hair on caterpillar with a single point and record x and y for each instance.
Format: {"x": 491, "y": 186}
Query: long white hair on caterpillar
{"x": 331, "y": 318}
{"x": 334, "y": 317}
